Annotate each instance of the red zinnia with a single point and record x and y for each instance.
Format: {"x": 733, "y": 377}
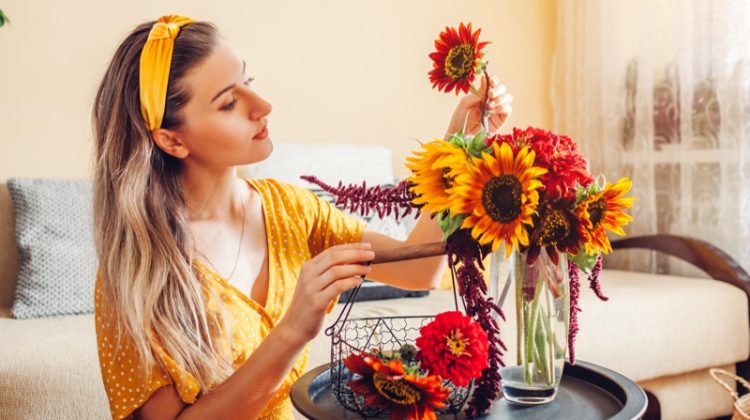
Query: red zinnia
{"x": 567, "y": 167}
{"x": 454, "y": 62}
{"x": 389, "y": 387}
{"x": 454, "y": 347}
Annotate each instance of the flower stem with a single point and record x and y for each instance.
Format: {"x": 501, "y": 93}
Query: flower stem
{"x": 540, "y": 340}
{"x": 551, "y": 283}
{"x": 533, "y": 309}
{"x": 485, "y": 119}
{"x": 551, "y": 342}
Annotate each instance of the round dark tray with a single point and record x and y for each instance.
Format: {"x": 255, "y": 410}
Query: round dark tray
{"x": 587, "y": 391}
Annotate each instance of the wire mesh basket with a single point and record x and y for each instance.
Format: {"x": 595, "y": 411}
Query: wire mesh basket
{"x": 355, "y": 335}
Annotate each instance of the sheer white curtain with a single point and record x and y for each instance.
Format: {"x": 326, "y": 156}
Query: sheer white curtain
{"x": 659, "y": 91}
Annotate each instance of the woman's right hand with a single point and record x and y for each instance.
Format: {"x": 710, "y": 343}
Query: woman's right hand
{"x": 333, "y": 271}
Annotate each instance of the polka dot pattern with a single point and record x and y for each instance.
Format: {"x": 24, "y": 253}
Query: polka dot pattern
{"x": 299, "y": 225}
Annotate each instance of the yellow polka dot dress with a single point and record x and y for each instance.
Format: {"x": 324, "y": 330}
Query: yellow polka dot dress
{"x": 299, "y": 225}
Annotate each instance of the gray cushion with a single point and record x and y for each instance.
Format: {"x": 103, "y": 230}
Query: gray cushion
{"x": 57, "y": 260}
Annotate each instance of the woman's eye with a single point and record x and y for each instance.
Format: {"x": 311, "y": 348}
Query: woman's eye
{"x": 229, "y": 106}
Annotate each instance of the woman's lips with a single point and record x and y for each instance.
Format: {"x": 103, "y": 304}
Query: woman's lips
{"x": 262, "y": 135}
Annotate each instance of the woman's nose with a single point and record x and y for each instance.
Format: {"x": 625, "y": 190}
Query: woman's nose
{"x": 259, "y": 107}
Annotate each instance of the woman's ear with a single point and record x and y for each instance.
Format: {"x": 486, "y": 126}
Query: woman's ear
{"x": 170, "y": 143}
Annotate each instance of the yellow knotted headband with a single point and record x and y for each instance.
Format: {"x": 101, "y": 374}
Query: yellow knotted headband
{"x": 156, "y": 60}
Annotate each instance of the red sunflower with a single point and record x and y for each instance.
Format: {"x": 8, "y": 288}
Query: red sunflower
{"x": 389, "y": 387}
{"x": 556, "y": 228}
{"x": 455, "y": 61}
{"x": 454, "y": 347}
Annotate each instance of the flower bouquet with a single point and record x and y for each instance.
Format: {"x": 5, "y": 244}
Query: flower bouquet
{"x": 528, "y": 199}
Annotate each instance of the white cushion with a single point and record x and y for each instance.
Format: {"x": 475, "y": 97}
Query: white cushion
{"x": 659, "y": 325}
{"x": 49, "y": 369}
{"x": 350, "y": 164}
{"x": 693, "y": 395}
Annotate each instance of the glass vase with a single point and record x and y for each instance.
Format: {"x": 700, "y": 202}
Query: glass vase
{"x": 542, "y": 307}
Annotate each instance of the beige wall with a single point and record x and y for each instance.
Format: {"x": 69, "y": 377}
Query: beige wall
{"x": 335, "y": 70}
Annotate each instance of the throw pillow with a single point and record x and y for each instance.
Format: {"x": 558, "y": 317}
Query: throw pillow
{"x": 57, "y": 260}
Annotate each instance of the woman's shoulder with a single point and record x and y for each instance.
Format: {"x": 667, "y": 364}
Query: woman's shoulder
{"x": 275, "y": 190}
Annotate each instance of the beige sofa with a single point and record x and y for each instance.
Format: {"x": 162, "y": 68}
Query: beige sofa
{"x": 662, "y": 331}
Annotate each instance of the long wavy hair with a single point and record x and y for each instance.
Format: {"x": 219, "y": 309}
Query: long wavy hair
{"x": 141, "y": 227}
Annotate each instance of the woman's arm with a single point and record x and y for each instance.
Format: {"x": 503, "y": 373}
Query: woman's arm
{"x": 425, "y": 273}
{"x": 420, "y": 274}
{"x": 245, "y": 394}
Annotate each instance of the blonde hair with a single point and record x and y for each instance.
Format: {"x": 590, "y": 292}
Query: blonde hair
{"x": 141, "y": 228}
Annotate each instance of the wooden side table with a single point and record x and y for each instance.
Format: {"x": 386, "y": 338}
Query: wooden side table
{"x": 587, "y": 391}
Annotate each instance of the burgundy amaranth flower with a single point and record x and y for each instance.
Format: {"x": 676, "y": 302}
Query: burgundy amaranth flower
{"x": 362, "y": 199}
{"x": 474, "y": 294}
{"x": 575, "y": 292}
{"x": 596, "y": 286}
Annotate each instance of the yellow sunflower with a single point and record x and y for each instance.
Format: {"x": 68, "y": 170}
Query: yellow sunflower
{"x": 499, "y": 195}
{"x": 432, "y": 174}
{"x": 604, "y": 211}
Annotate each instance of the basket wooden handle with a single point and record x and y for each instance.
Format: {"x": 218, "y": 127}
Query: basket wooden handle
{"x": 715, "y": 375}
{"x": 411, "y": 252}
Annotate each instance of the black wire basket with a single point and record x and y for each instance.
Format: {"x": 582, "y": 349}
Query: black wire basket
{"x": 356, "y": 335}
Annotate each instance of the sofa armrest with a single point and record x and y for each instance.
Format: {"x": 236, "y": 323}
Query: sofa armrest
{"x": 710, "y": 259}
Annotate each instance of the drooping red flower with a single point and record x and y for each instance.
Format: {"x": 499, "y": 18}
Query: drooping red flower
{"x": 386, "y": 385}
{"x": 455, "y": 61}
{"x": 567, "y": 168}
{"x": 454, "y": 347}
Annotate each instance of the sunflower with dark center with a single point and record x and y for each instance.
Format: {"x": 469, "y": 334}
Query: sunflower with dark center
{"x": 455, "y": 61}
{"x": 387, "y": 386}
{"x": 499, "y": 193}
{"x": 556, "y": 228}
{"x": 432, "y": 174}
{"x": 604, "y": 211}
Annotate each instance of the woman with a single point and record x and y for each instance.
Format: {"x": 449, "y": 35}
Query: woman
{"x": 210, "y": 286}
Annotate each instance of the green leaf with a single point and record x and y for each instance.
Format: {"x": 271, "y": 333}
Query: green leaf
{"x": 3, "y": 19}
{"x": 443, "y": 220}
{"x": 479, "y": 68}
{"x": 450, "y": 224}
{"x": 584, "y": 192}
{"x": 459, "y": 139}
{"x": 456, "y": 223}
{"x": 477, "y": 144}
{"x": 585, "y": 261}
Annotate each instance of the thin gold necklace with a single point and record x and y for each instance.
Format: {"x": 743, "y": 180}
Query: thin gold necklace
{"x": 239, "y": 246}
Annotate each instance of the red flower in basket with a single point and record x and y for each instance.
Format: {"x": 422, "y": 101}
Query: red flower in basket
{"x": 388, "y": 386}
{"x": 454, "y": 347}
{"x": 455, "y": 61}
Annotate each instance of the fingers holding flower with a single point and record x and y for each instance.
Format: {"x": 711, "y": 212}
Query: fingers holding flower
{"x": 499, "y": 104}
{"x": 467, "y": 116}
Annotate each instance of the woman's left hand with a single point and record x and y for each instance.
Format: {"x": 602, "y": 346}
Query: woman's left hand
{"x": 468, "y": 113}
